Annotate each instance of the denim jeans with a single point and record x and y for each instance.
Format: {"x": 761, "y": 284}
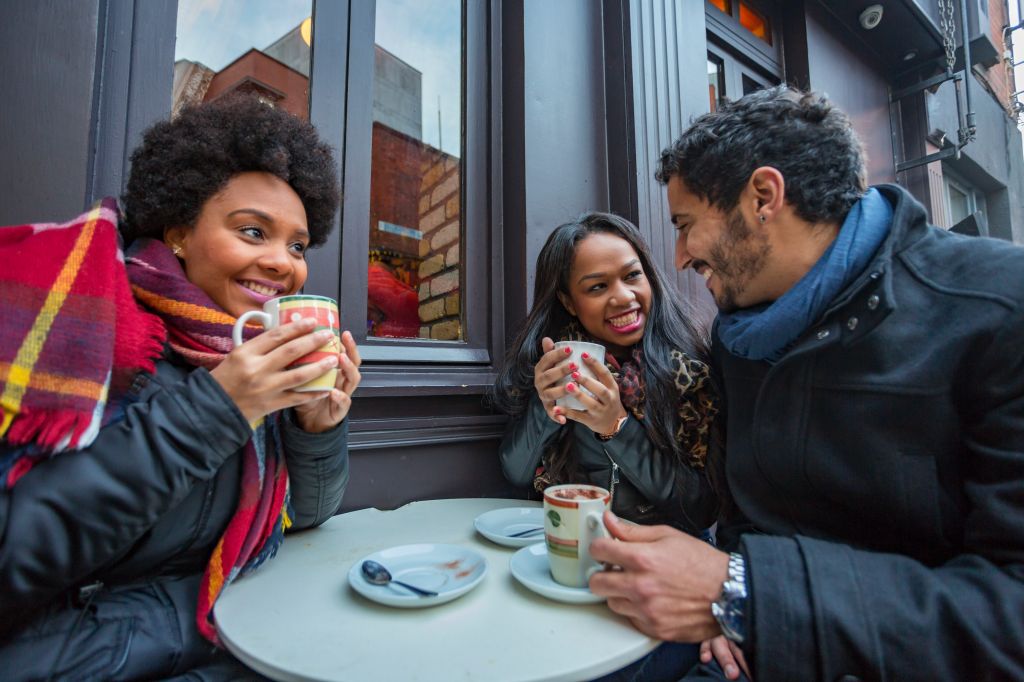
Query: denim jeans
{"x": 670, "y": 661}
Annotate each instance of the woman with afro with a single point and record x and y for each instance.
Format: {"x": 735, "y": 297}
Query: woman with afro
{"x": 145, "y": 462}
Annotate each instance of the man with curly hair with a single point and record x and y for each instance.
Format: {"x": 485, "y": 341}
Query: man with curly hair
{"x": 145, "y": 461}
{"x": 873, "y": 382}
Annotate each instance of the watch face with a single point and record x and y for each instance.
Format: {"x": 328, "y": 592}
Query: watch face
{"x": 729, "y": 611}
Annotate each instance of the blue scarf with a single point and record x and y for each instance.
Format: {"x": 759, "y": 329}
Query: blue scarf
{"x": 765, "y": 332}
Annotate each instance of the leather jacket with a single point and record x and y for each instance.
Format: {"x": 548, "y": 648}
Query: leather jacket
{"x": 650, "y": 488}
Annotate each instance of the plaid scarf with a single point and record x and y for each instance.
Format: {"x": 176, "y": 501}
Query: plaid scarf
{"x": 72, "y": 338}
{"x": 697, "y": 406}
{"x": 200, "y": 331}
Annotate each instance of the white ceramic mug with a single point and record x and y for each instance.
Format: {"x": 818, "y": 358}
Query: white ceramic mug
{"x": 578, "y": 348}
{"x": 573, "y": 517}
{"x": 285, "y": 309}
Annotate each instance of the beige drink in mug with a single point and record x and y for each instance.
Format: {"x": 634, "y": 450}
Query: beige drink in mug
{"x": 572, "y": 519}
{"x": 285, "y": 309}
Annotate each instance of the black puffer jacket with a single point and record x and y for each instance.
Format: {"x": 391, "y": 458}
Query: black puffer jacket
{"x": 652, "y": 487}
{"x": 139, "y": 511}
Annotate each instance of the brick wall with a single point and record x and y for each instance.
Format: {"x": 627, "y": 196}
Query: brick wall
{"x": 417, "y": 186}
{"x": 439, "y": 271}
{"x": 997, "y": 77}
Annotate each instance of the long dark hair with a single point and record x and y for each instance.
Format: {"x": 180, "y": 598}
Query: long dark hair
{"x": 671, "y": 325}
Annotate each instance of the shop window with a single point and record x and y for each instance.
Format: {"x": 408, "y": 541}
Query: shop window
{"x": 732, "y": 75}
{"x": 257, "y": 46}
{"x": 753, "y": 20}
{"x": 962, "y": 200}
{"x": 415, "y": 283}
{"x": 716, "y": 81}
{"x": 409, "y": 202}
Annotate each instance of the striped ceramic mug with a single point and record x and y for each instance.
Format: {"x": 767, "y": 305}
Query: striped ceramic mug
{"x": 572, "y": 519}
{"x": 285, "y": 309}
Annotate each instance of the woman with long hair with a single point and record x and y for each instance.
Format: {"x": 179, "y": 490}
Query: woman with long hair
{"x": 649, "y": 425}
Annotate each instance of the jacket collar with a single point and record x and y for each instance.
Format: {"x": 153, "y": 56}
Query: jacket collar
{"x": 909, "y": 224}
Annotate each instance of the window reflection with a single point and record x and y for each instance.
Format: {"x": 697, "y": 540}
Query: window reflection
{"x": 749, "y": 18}
{"x": 716, "y": 82}
{"x": 754, "y": 21}
{"x": 253, "y": 46}
{"x": 414, "y": 277}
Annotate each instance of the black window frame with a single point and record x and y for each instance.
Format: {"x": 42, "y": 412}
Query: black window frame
{"x": 728, "y": 29}
{"x": 138, "y": 54}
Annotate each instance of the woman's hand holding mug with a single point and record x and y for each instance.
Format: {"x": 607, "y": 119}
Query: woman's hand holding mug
{"x": 330, "y": 408}
{"x": 287, "y": 366}
{"x": 254, "y": 374}
{"x": 552, "y": 367}
{"x": 604, "y": 407}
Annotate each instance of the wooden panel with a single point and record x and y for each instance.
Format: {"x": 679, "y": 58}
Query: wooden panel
{"x": 857, "y": 85}
{"x": 48, "y": 52}
{"x": 669, "y": 72}
{"x": 390, "y": 477}
{"x": 565, "y": 160}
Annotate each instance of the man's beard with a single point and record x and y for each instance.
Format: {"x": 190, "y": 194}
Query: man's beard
{"x": 736, "y": 258}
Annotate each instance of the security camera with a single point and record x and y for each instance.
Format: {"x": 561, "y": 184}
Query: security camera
{"x": 871, "y": 16}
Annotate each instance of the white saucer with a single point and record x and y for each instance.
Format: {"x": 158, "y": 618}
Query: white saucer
{"x": 498, "y": 525}
{"x": 449, "y": 570}
{"x": 530, "y": 567}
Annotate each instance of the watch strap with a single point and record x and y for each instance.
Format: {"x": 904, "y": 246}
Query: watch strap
{"x": 730, "y": 609}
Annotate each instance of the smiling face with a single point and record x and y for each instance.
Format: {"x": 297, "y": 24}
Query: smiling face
{"x": 247, "y": 245}
{"x": 724, "y": 248}
{"x": 608, "y": 291}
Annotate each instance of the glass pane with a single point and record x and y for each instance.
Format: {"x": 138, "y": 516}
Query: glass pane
{"x": 750, "y": 85}
{"x": 716, "y": 82}
{"x": 958, "y": 205}
{"x": 754, "y": 21}
{"x": 415, "y": 278}
{"x": 255, "y": 46}
{"x": 723, "y": 5}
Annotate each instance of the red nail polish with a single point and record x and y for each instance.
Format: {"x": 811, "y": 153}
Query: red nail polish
{"x": 572, "y": 366}
{"x": 576, "y": 375}
{"x": 570, "y": 387}
{"x": 585, "y": 356}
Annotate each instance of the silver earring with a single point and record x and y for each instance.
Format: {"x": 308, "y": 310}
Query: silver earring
{"x": 760, "y": 216}
{"x": 176, "y": 250}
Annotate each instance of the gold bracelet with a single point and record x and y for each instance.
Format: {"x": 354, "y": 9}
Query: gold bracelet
{"x": 618, "y": 427}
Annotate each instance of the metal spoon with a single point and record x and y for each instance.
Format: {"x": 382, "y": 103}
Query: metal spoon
{"x": 378, "y": 575}
{"x": 524, "y": 533}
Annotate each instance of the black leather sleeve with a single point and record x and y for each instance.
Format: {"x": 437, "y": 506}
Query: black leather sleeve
{"x": 681, "y": 492}
{"x": 317, "y": 471}
{"x": 74, "y": 513}
{"x": 525, "y": 438}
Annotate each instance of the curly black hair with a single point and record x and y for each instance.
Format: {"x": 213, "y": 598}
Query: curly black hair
{"x": 182, "y": 163}
{"x": 801, "y": 134}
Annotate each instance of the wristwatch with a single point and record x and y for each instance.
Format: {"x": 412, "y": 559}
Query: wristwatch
{"x": 730, "y": 609}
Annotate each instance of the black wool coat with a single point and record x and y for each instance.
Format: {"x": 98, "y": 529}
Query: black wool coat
{"x": 880, "y": 463}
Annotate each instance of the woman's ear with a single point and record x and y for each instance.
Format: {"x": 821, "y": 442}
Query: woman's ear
{"x": 175, "y": 238}
{"x": 567, "y": 303}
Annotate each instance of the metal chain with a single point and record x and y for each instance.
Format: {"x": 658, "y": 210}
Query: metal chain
{"x": 948, "y": 26}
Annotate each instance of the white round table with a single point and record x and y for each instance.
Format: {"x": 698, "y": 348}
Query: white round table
{"x": 297, "y": 618}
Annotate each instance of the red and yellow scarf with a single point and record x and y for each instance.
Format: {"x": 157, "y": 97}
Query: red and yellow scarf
{"x": 74, "y": 337}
